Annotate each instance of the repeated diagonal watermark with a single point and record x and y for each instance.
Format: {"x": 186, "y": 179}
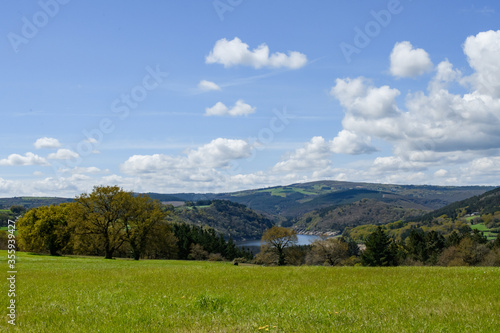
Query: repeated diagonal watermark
{"x": 264, "y": 137}
{"x": 32, "y": 25}
{"x": 120, "y": 108}
{"x": 363, "y": 36}
{"x": 224, "y": 6}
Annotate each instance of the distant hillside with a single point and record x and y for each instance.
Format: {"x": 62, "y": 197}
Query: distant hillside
{"x": 226, "y": 217}
{"x": 486, "y": 203}
{"x": 295, "y": 200}
{"x": 314, "y": 206}
{"x": 31, "y": 202}
{"x": 481, "y": 212}
{"x": 364, "y": 211}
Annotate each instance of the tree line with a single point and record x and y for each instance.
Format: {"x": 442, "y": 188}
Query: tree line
{"x": 111, "y": 222}
{"x": 460, "y": 248}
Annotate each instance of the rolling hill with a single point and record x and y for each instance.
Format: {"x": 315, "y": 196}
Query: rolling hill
{"x": 315, "y": 206}
{"x": 225, "y": 217}
{"x": 481, "y": 212}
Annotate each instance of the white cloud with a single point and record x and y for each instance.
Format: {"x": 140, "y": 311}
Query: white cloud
{"x": 208, "y": 85}
{"x": 409, "y": 62}
{"x": 235, "y": 52}
{"x": 482, "y": 51}
{"x": 204, "y": 169}
{"x": 347, "y": 142}
{"x": 360, "y": 98}
{"x": 484, "y": 166}
{"x": 28, "y": 159}
{"x": 6, "y": 186}
{"x": 445, "y": 74}
{"x": 46, "y": 142}
{"x": 215, "y": 155}
{"x": 240, "y": 108}
{"x": 219, "y": 152}
{"x": 369, "y": 111}
{"x": 441, "y": 173}
{"x": 314, "y": 155}
{"x": 63, "y": 154}
{"x": 437, "y": 130}
{"x": 82, "y": 170}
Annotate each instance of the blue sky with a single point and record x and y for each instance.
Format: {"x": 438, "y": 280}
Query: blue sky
{"x": 215, "y": 96}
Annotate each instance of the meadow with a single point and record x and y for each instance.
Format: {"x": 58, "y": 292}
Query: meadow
{"x": 88, "y": 294}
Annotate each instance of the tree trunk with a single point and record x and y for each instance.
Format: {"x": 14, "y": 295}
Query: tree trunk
{"x": 108, "y": 254}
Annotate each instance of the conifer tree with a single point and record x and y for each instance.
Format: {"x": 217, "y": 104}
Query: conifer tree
{"x": 378, "y": 251}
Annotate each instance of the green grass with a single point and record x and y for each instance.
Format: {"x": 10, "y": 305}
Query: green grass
{"x": 482, "y": 227}
{"x": 283, "y": 191}
{"x": 66, "y": 294}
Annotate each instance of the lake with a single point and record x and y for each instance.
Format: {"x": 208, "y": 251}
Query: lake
{"x": 254, "y": 244}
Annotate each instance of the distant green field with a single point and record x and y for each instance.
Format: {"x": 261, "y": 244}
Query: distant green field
{"x": 191, "y": 207}
{"x": 61, "y": 294}
{"x": 283, "y": 191}
{"x": 482, "y": 227}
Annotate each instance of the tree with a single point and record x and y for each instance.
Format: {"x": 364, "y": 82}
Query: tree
{"x": 478, "y": 237}
{"x": 100, "y": 215}
{"x": 352, "y": 246}
{"x": 139, "y": 219}
{"x": 416, "y": 245}
{"x": 162, "y": 243}
{"x": 331, "y": 251}
{"x": 434, "y": 245}
{"x": 230, "y": 251}
{"x": 466, "y": 253}
{"x": 277, "y": 239}
{"x": 378, "y": 251}
{"x": 198, "y": 252}
{"x": 45, "y": 229}
{"x": 496, "y": 243}
{"x": 18, "y": 210}
{"x": 453, "y": 239}
{"x": 109, "y": 217}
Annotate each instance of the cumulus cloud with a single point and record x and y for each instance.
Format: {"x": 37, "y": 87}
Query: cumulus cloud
{"x": 347, "y": 142}
{"x": 441, "y": 173}
{"x": 28, "y": 159}
{"x": 369, "y": 111}
{"x": 484, "y": 166}
{"x": 360, "y": 98}
{"x": 314, "y": 155}
{"x": 46, "y": 142}
{"x": 409, "y": 62}
{"x": 217, "y": 154}
{"x": 482, "y": 52}
{"x": 206, "y": 168}
{"x": 235, "y": 52}
{"x": 240, "y": 108}
{"x": 445, "y": 74}
{"x": 208, "y": 85}
{"x": 63, "y": 154}
{"x": 437, "y": 129}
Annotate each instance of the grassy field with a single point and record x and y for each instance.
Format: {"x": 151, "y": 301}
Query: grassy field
{"x": 95, "y": 295}
{"x": 482, "y": 227}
